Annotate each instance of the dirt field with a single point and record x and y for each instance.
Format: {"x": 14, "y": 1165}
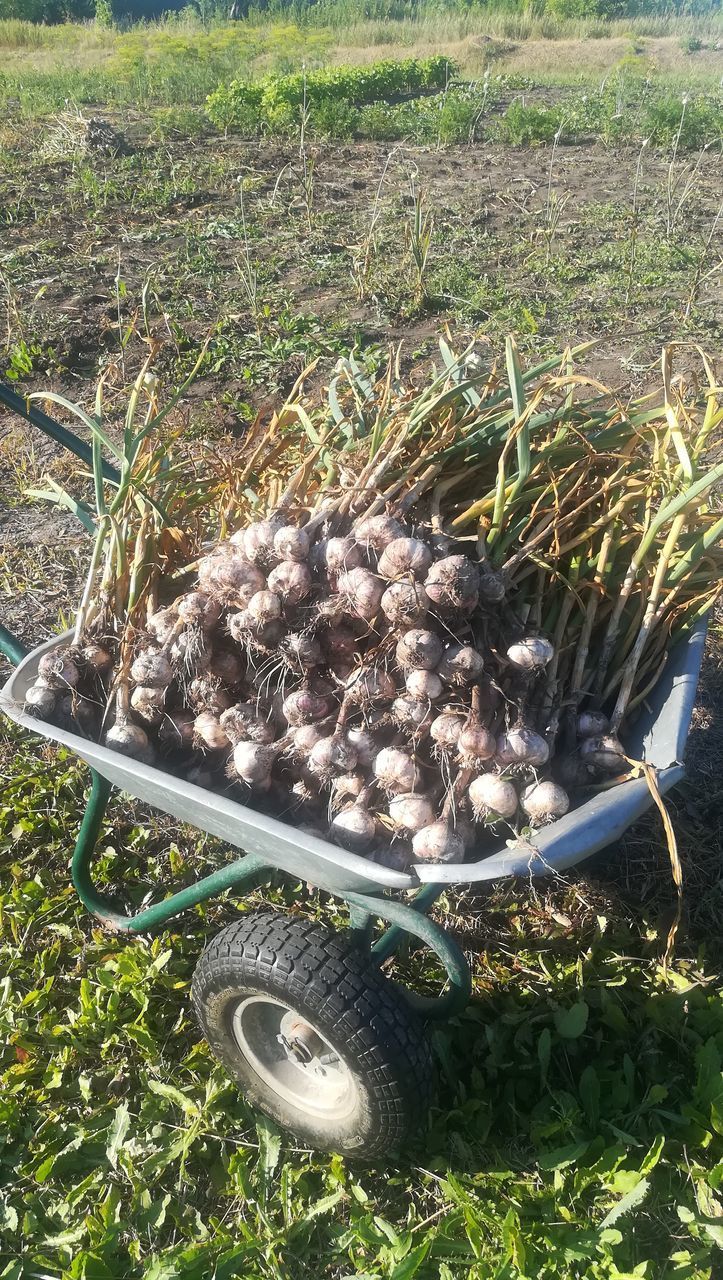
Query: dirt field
{"x": 522, "y": 240}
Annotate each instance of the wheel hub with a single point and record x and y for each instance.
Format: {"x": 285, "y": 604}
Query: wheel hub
{"x": 293, "y": 1058}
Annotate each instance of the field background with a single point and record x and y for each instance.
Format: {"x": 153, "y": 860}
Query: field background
{"x": 568, "y": 181}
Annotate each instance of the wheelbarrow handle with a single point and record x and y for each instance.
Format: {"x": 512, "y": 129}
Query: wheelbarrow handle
{"x": 18, "y": 404}
{"x": 11, "y": 648}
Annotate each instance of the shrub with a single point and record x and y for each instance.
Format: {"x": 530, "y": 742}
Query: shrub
{"x": 699, "y": 122}
{"x": 522, "y": 125}
{"x": 456, "y": 118}
{"x": 334, "y": 120}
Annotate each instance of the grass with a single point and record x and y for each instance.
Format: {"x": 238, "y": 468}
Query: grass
{"x": 578, "y": 1129}
{"x": 179, "y": 61}
{"x": 577, "y": 1132}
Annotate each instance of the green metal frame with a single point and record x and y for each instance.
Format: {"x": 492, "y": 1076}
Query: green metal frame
{"x": 250, "y": 871}
{"x": 22, "y": 406}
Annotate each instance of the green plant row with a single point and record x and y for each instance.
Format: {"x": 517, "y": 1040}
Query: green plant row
{"x": 276, "y": 98}
{"x": 661, "y": 118}
{"x": 619, "y": 113}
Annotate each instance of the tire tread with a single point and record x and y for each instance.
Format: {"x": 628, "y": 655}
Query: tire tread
{"x": 306, "y": 962}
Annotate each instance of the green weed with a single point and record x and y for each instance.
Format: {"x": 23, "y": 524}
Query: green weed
{"x": 577, "y": 1131}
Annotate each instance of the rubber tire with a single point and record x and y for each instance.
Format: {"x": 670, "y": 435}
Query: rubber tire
{"x": 366, "y": 1019}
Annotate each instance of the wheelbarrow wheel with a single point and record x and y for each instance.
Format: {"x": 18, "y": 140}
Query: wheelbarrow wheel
{"x": 315, "y": 1037}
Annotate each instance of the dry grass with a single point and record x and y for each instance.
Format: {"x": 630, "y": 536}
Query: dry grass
{"x": 472, "y": 41}
{"x": 561, "y": 59}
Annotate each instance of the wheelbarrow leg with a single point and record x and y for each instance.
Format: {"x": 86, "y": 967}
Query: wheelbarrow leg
{"x": 409, "y": 918}
{"x": 85, "y": 846}
{"x": 245, "y": 872}
{"x": 11, "y": 648}
{"x": 362, "y": 924}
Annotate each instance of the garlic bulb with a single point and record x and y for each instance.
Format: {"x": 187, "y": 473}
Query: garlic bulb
{"x": 543, "y": 802}
{"x": 348, "y": 785}
{"x": 475, "y": 744}
{"x": 364, "y": 743}
{"x": 409, "y": 813}
{"x": 452, "y": 585}
{"x": 128, "y": 739}
{"x": 303, "y": 707}
{"x": 446, "y": 729}
{"x": 403, "y": 557}
{"x": 438, "y": 843}
{"x": 224, "y": 666}
{"x": 97, "y": 658}
{"x": 522, "y": 746}
{"x": 242, "y": 723}
{"x": 354, "y": 828}
{"x": 291, "y": 580}
{"x": 207, "y": 730}
{"x": 460, "y": 664}
{"x": 362, "y": 592}
{"x": 257, "y": 541}
{"x": 148, "y": 701}
{"x": 291, "y": 543}
{"x": 332, "y": 755}
{"x": 229, "y": 578}
{"x": 206, "y": 695}
{"x": 419, "y": 649}
{"x": 405, "y": 603}
{"x": 160, "y": 625}
{"x": 395, "y": 771}
{"x": 253, "y": 762}
{"x": 378, "y": 531}
{"x": 152, "y": 668}
{"x": 605, "y": 753}
{"x": 199, "y": 610}
{"x": 370, "y": 684}
{"x": 592, "y": 724}
{"x": 411, "y": 714}
{"x": 306, "y": 736}
{"x": 176, "y": 729}
{"x": 59, "y": 669}
{"x": 423, "y": 685}
{"x": 340, "y": 555}
{"x": 264, "y": 606}
{"x": 40, "y": 700}
{"x": 531, "y": 654}
{"x": 492, "y": 796}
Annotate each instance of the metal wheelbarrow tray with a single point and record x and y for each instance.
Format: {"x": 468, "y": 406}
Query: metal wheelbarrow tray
{"x": 659, "y": 737}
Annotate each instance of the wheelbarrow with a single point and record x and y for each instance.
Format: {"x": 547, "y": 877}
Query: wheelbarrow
{"x": 299, "y": 1014}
